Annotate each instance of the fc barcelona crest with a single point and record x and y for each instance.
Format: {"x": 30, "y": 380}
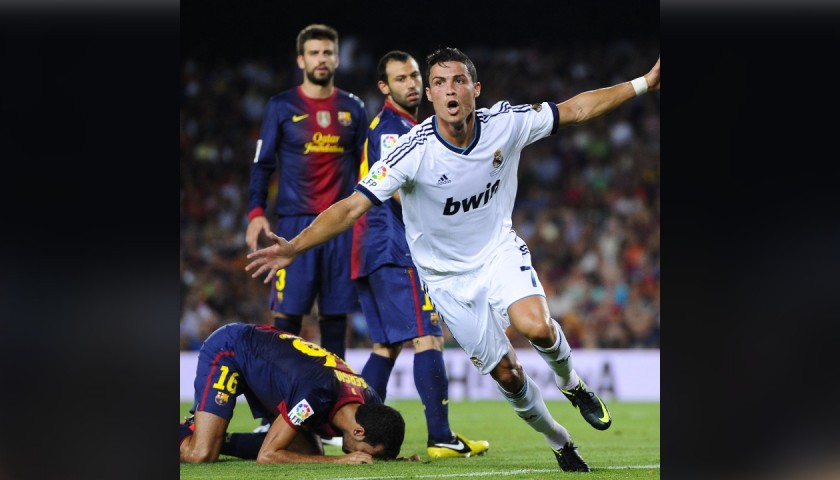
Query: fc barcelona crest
{"x": 323, "y": 117}
{"x": 344, "y": 118}
{"x": 222, "y": 398}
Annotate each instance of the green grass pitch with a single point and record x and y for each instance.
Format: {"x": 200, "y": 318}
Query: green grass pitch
{"x": 628, "y": 450}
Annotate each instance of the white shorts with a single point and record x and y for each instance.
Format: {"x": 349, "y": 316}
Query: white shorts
{"x": 475, "y": 304}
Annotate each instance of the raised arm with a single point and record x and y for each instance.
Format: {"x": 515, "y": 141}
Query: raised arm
{"x": 331, "y": 222}
{"x": 587, "y": 105}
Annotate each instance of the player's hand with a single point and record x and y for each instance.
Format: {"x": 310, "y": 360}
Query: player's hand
{"x": 652, "y": 77}
{"x": 270, "y": 259}
{"x": 255, "y": 227}
{"x": 354, "y": 458}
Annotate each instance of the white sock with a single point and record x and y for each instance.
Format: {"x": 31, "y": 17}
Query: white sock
{"x": 529, "y": 405}
{"x": 559, "y": 358}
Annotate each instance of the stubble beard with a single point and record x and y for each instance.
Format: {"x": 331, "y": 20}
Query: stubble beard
{"x": 322, "y": 82}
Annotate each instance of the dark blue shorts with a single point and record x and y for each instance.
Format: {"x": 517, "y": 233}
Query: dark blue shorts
{"x": 395, "y": 306}
{"x": 218, "y": 377}
{"x": 322, "y": 272}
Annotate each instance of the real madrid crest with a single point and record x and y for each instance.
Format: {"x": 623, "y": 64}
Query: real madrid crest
{"x": 497, "y": 159}
{"x": 536, "y": 106}
{"x": 323, "y": 117}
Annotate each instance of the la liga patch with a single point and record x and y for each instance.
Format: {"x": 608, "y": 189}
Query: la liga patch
{"x": 387, "y": 142}
{"x": 300, "y": 412}
{"x": 380, "y": 173}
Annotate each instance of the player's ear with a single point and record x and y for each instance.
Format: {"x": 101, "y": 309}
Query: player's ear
{"x": 383, "y": 87}
{"x": 477, "y": 89}
{"x": 359, "y": 432}
{"x": 300, "y": 63}
{"x": 428, "y": 94}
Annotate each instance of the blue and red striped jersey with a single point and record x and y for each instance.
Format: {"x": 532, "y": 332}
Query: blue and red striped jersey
{"x": 318, "y": 143}
{"x": 379, "y": 236}
{"x": 284, "y": 375}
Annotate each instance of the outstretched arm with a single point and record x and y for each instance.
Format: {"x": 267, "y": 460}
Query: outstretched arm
{"x": 331, "y": 222}
{"x": 587, "y": 105}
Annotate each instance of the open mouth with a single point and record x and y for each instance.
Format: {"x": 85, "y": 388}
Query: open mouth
{"x": 452, "y": 107}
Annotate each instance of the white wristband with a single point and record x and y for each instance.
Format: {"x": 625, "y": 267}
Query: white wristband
{"x": 639, "y": 85}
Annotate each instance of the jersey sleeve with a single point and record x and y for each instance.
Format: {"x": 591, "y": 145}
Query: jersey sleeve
{"x": 396, "y": 169}
{"x": 543, "y": 120}
{"x": 264, "y": 160}
{"x": 310, "y": 407}
{"x": 533, "y": 122}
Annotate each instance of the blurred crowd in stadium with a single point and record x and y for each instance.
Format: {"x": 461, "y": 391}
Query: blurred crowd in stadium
{"x": 587, "y": 205}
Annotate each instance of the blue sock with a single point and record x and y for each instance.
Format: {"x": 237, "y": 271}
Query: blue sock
{"x": 334, "y": 334}
{"x": 242, "y": 445}
{"x": 376, "y": 372}
{"x": 433, "y": 387}
{"x": 186, "y": 429}
{"x": 291, "y": 325}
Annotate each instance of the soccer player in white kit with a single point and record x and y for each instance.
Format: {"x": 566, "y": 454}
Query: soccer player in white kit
{"x": 457, "y": 177}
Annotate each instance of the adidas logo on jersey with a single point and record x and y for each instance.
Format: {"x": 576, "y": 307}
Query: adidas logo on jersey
{"x": 443, "y": 180}
{"x": 452, "y": 207}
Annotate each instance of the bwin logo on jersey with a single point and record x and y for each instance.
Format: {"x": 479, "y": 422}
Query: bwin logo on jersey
{"x": 452, "y": 207}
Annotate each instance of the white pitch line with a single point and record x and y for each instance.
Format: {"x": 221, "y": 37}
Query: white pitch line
{"x": 485, "y": 474}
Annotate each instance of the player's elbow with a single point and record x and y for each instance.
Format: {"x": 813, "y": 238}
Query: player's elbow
{"x": 574, "y": 112}
{"x": 354, "y": 207}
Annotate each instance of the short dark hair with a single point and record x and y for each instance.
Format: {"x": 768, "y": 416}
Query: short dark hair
{"x": 317, "y": 31}
{"x": 446, "y": 54}
{"x": 383, "y": 425}
{"x": 397, "y": 55}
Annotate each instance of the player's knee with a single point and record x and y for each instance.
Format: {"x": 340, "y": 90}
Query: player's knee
{"x": 539, "y": 331}
{"x": 509, "y": 375}
{"x": 428, "y": 342}
{"x": 387, "y": 350}
{"x": 199, "y": 455}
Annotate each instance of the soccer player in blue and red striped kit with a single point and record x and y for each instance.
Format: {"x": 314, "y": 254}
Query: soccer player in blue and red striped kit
{"x": 396, "y": 308}
{"x": 316, "y": 132}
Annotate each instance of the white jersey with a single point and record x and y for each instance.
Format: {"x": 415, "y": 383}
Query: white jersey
{"x": 457, "y": 203}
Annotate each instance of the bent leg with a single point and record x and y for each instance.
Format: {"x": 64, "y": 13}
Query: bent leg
{"x": 530, "y": 317}
{"x": 527, "y": 401}
{"x": 204, "y": 445}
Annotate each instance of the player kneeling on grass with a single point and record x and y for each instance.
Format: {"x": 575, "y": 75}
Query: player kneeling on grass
{"x": 307, "y": 392}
